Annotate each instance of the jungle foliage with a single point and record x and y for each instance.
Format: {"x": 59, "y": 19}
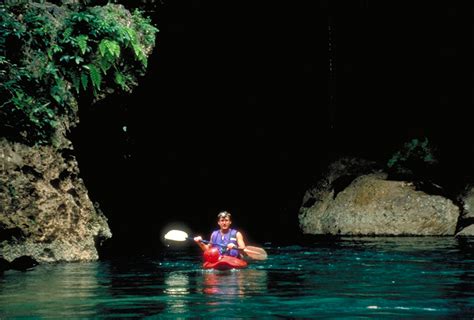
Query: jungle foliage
{"x": 51, "y": 55}
{"x": 416, "y": 157}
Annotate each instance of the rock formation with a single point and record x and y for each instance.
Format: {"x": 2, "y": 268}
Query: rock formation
{"x": 45, "y": 210}
{"x": 371, "y": 205}
{"x": 466, "y": 221}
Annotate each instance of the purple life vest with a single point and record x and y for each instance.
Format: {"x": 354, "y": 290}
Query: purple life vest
{"x": 221, "y": 241}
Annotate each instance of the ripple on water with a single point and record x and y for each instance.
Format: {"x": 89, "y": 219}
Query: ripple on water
{"x": 362, "y": 277}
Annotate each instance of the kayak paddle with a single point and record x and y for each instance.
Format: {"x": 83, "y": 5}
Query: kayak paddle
{"x": 253, "y": 252}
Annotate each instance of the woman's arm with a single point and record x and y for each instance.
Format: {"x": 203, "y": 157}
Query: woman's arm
{"x": 240, "y": 240}
{"x": 202, "y": 245}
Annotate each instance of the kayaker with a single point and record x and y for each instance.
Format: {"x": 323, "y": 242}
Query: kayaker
{"x": 229, "y": 241}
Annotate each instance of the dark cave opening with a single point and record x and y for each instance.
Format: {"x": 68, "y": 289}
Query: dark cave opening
{"x": 240, "y": 111}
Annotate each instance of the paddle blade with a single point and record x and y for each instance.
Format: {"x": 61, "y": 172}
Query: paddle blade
{"x": 256, "y": 253}
{"x": 176, "y": 235}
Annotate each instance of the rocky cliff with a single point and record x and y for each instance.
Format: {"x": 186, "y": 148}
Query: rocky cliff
{"x": 45, "y": 210}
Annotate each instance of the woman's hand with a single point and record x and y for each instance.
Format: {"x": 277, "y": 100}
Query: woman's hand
{"x": 198, "y": 239}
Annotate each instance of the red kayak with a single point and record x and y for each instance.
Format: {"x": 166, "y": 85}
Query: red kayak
{"x": 225, "y": 263}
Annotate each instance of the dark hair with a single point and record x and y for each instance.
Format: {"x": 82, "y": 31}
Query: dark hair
{"x": 224, "y": 214}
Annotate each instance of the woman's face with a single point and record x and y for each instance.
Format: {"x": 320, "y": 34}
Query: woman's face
{"x": 224, "y": 223}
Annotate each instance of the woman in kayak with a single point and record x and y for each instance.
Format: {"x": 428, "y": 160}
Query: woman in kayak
{"x": 229, "y": 241}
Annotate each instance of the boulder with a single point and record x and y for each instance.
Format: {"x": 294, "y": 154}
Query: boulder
{"x": 467, "y": 231}
{"x": 372, "y": 205}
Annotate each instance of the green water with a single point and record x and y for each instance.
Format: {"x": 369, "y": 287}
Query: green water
{"x": 399, "y": 278}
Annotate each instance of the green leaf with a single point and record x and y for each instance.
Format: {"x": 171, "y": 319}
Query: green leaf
{"x": 65, "y": 58}
{"x": 82, "y": 42}
{"x": 63, "y": 51}
{"x": 104, "y": 65}
{"x": 114, "y": 49}
{"x": 76, "y": 82}
{"x": 103, "y": 47}
{"x": 56, "y": 97}
{"x": 109, "y": 48}
{"x": 95, "y": 75}
{"x": 138, "y": 52}
{"x": 67, "y": 33}
{"x": 131, "y": 34}
{"x": 84, "y": 80}
{"x": 120, "y": 80}
{"x": 78, "y": 60}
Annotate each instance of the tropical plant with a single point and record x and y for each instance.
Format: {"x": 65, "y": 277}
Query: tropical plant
{"x": 52, "y": 55}
{"x": 415, "y": 157}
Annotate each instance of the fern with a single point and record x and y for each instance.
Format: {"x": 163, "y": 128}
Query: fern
{"x": 103, "y": 47}
{"x": 84, "y": 80}
{"x": 109, "y": 48}
{"x": 82, "y": 43}
{"x": 412, "y": 152}
{"x": 119, "y": 79}
{"x": 104, "y": 65}
{"x": 76, "y": 82}
{"x": 95, "y": 75}
{"x": 130, "y": 34}
{"x": 50, "y": 57}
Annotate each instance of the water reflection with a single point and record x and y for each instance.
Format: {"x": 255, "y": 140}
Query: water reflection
{"x": 234, "y": 282}
{"x": 177, "y": 288}
{"x": 368, "y": 278}
{"x": 177, "y": 284}
{"x": 60, "y": 289}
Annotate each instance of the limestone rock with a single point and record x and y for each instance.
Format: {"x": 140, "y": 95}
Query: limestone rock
{"x": 45, "y": 210}
{"x": 468, "y": 231}
{"x": 371, "y": 205}
{"x": 467, "y": 200}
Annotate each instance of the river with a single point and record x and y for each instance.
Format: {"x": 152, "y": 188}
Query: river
{"x": 406, "y": 277}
